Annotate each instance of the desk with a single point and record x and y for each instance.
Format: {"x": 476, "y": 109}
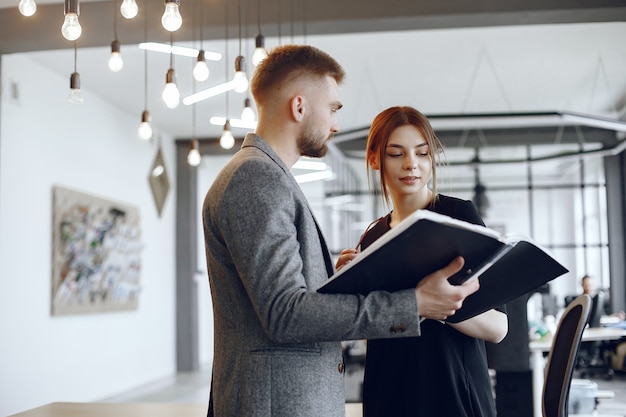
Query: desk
{"x": 135, "y": 410}
{"x": 539, "y": 347}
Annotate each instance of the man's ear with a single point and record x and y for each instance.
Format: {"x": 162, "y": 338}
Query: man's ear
{"x": 297, "y": 108}
{"x": 372, "y": 160}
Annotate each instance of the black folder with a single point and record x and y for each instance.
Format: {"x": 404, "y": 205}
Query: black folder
{"x": 507, "y": 266}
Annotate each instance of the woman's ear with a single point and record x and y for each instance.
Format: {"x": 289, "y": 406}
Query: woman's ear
{"x": 297, "y": 108}
{"x": 372, "y": 160}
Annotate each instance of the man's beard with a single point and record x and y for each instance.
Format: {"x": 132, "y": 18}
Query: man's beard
{"x": 312, "y": 144}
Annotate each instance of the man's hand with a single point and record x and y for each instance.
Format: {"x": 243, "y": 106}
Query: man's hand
{"x": 437, "y": 298}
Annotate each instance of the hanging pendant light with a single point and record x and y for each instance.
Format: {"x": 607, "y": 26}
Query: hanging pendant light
{"x": 240, "y": 78}
{"x": 247, "y": 114}
{"x": 201, "y": 69}
{"x": 129, "y": 9}
{"x": 260, "y": 53}
{"x": 227, "y": 140}
{"x": 116, "y": 63}
{"x": 172, "y": 20}
{"x": 71, "y": 28}
{"x": 76, "y": 97}
{"x": 193, "y": 157}
{"x": 171, "y": 95}
{"x": 27, "y": 7}
{"x": 145, "y": 128}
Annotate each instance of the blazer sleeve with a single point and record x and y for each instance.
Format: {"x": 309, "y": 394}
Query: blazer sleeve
{"x": 276, "y": 251}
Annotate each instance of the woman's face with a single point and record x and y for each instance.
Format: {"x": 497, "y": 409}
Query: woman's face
{"x": 408, "y": 164}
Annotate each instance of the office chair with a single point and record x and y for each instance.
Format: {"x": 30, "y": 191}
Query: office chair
{"x": 560, "y": 364}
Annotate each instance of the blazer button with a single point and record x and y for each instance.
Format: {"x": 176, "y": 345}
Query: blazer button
{"x": 401, "y": 328}
{"x": 341, "y": 368}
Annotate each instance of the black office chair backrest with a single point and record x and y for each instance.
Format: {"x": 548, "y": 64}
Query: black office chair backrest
{"x": 597, "y": 309}
{"x": 560, "y": 364}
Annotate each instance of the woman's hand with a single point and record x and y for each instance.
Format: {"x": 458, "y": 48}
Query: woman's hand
{"x": 345, "y": 257}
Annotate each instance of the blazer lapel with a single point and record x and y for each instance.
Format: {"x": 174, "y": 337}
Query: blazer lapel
{"x": 330, "y": 268}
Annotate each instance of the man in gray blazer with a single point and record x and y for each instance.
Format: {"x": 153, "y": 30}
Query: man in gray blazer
{"x": 277, "y": 340}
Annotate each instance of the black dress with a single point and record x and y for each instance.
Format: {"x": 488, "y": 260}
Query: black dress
{"x": 442, "y": 373}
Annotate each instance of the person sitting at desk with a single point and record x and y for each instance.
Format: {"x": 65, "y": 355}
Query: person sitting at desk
{"x": 600, "y": 302}
{"x": 595, "y": 355}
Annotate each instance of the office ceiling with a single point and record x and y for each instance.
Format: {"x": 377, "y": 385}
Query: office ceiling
{"x": 443, "y": 57}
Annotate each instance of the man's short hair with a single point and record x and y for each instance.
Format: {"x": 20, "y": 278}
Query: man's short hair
{"x": 283, "y": 63}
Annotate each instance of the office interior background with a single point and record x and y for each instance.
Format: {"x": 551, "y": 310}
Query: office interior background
{"x": 497, "y": 80}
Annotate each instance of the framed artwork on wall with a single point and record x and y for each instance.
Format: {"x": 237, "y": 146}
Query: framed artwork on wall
{"x": 96, "y": 254}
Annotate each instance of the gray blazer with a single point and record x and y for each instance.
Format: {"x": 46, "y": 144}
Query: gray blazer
{"x": 277, "y": 341}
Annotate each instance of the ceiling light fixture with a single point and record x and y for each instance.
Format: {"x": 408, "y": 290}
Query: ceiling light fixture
{"x": 116, "y": 63}
{"x": 247, "y": 114}
{"x": 71, "y": 29}
{"x": 227, "y": 140}
{"x": 129, "y": 9}
{"x": 201, "y": 69}
{"x": 76, "y": 97}
{"x": 27, "y": 7}
{"x": 260, "y": 53}
{"x": 172, "y": 20}
{"x": 171, "y": 95}
{"x": 314, "y": 176}
{"x": 594, "y": 121}
{"x": 145, "y": 128}
{"x": 179, "y": 50}
{"x": 239, "y": 123}
{"x": 209, "y": 92}
{"x": 240, "y": 78}
{"x": 193, "y": 157}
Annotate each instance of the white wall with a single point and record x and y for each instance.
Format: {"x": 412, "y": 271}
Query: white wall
{"x": 92, "y": 148}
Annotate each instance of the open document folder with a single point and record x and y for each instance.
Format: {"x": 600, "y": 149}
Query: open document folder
{"x": 507, "y": 266}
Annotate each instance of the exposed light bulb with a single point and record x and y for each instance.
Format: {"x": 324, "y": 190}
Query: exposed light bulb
{"x": 260, "y": 53}
{"x": 240, "y": 79}
{"x": 129, "y": 9}
{"x": 193, "y": 157}
{"x": 172, "y": 20}
{"x": 71, "y": 29}
{"x": 201, "y": 69}
{"x": 241, "y": 82}
{"x": 145, "y": 129}
{"x": 171, "y": 95}
{"x": 116, "y": 63}
{"x": 247, "y": 114}
{"x": 76, "y": 97}
{"x": 27, "y": 7}
{"x": 227, "y": 140}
